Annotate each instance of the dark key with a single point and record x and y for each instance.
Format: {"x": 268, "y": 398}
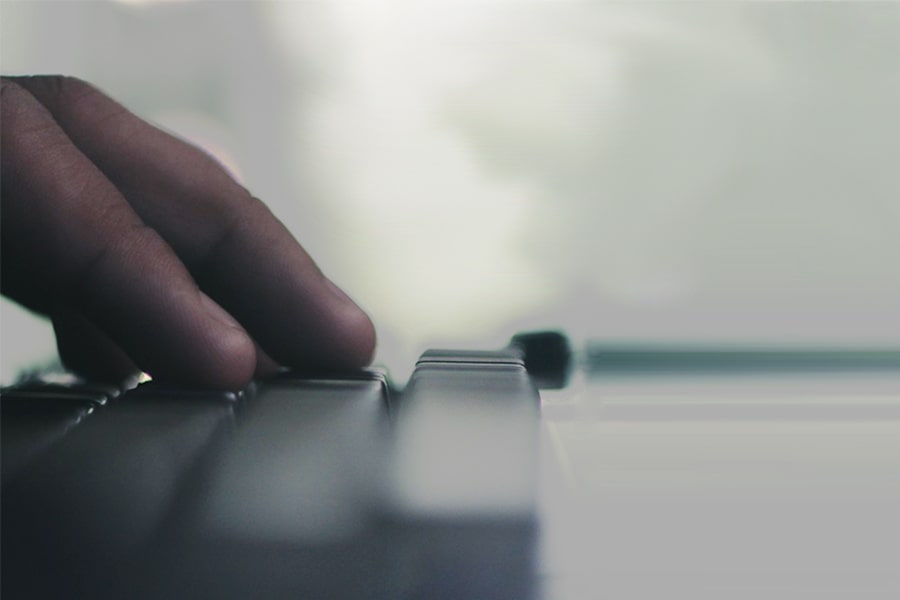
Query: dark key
{"x": 66, "y": 383}
{"x": 465, "y": 442}
{"x": 462, "y": 479}
{"x": 285, "y": 507}
{"x": 75, "y": 520}
{"x": 30, "y": 423}
{"x": 154, "y": 389}
{"x": 546, "y": 355}
{"x": 505, "y": 356}
{"x": 95, "y": 396}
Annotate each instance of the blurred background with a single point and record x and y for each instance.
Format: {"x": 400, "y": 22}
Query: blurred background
{"x": 647, "y": 171}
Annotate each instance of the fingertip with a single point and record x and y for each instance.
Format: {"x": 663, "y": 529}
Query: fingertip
{"x": 355, "y": 336}
{"x": 231, "y": 359}
{"x": 235, "y": 360}
{"x": 208, "y": 349}
{"x": 354, "y": 330}
{"x": 87, "y": 351}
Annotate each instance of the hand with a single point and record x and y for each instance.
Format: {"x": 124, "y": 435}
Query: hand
{"x": 148, "y": 255}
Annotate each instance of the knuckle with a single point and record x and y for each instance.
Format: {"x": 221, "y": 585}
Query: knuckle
{"x": 15, "y": 98}
{"x": 27, "y": 126}
{"x": 247, "y": 213}
{"x": 69, "y": 98}
{"x": 132, "y": 244}
{"x": 9, "y": 88}
{"x": 235, "y": 220}
{"x": 62, "y": 88}
{"x": 256, "y": 208}
{"x": 241, "y": 209}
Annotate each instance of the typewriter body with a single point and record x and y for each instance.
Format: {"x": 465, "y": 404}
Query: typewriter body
{"x": 627, "y": 472}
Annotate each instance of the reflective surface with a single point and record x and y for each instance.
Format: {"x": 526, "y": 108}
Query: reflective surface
{"x": 321, "y": 486}
{"x": 737, "y": 486}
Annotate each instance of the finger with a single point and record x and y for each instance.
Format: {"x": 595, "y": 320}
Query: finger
{"x": 87, "y": 351}
{"x": 87, "y": 248}
{"x": 237, "y": 250}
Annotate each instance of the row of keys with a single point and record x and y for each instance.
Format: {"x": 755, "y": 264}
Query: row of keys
{"x": 310, "y": 486}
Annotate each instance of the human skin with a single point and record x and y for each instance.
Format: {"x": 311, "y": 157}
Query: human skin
{"x": 148, "y": 256}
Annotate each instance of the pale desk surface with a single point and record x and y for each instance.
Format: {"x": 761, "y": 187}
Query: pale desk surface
{"x": 760, "y": 486}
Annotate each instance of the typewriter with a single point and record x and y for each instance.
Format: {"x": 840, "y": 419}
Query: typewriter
{"x": 529, "y": 472}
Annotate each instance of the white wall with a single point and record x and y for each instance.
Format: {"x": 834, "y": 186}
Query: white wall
{"x": 632, "y": 170}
